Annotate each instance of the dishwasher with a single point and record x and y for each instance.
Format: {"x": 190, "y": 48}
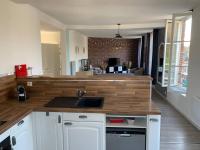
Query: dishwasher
{"x": 125, "y": 138}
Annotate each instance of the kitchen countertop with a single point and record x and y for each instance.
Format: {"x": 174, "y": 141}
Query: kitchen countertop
{"x": 117, "y": 77}
{"x": 12, "y": 111}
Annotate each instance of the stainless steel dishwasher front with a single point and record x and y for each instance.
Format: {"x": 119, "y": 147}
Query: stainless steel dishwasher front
{"x": 125, "y": 138}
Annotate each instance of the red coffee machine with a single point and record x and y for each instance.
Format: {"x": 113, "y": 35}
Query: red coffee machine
{"x": 21, "y": 70}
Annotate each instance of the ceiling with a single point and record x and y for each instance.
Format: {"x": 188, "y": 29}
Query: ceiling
{"x": 107, "y": 33}
{"x": 86, "y": 13}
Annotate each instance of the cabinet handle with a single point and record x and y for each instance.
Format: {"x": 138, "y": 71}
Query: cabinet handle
{"x": 59, "y": 119}
{"x": 14, "y": 142}
{"x": 82, "y": 116}
{"x": 153, "y": 120}
{"x": 67, "y": 123}
{"x": 47, "y": 113}
{"x": 125, "y": 135}
{"x": 20, "y": 123}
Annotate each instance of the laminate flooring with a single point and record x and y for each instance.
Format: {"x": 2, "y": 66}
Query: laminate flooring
{"x": 176, "y": 132}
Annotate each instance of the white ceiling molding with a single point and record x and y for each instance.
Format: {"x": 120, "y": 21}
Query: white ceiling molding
{"x": 122, "y": 26}
{"x": 48, "y": 20}
{"x": 110, "y": 33}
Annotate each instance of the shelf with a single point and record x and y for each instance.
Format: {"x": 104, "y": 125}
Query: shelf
{"x": 140, "y": 122}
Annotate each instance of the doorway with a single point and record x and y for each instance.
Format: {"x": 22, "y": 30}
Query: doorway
{"x": 50, "y": 45}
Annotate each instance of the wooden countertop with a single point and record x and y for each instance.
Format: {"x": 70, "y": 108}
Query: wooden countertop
{"x": 12, "y": 111}
{"x": 115, "y": 77}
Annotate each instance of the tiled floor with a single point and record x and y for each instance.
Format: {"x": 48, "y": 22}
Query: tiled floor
{"x": 176, "y": 132}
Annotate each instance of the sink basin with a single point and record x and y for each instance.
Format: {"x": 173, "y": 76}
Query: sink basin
{"x": 90, "y": 102}
{"x": 75, "y": 102}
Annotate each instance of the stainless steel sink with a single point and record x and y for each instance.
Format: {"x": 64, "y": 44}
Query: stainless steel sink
{"x": 76, "y": 102}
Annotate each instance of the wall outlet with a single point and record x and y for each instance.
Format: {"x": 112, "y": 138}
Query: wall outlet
{"x": 29, "y": 83}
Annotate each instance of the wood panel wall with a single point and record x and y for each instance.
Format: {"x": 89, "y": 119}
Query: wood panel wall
{"x": 100, "y": 49}
{"x": 139, "y": 90}
{"x": 7, "y": 87}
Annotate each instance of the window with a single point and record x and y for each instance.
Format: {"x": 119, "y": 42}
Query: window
{"x": 180, "y": 49}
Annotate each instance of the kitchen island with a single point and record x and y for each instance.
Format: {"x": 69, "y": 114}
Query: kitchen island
{"x": 123, "y": 97}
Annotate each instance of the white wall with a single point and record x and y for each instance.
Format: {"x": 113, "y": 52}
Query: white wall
{"x": 19, "y": 37}
{"x": 76, "y": 40}
{"x": 189, "y": 105}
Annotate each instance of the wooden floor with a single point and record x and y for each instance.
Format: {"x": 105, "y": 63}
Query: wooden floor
{"x": 176, "y": 132}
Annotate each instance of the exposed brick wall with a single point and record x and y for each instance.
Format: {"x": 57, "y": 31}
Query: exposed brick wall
{"x": 100, "y": 49}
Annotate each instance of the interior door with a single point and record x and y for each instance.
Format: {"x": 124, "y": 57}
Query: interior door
{"x": 51, "y": 59}
{"x": 83, "y": 136}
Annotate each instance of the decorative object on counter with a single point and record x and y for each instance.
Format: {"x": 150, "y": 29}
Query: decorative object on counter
{"x": 97, "y": 70}
{"x": 130, "y": 64}
{"x": 103, "y": 66}
{"x": 116, "y": 120}
{"x": 124, "y": 66}
{"x": 131, "y": 121}
{"x": 29, "y": 71}
{"x": 21, "y": 93}
{"x": 21, "y": 70}
{"x": 85, "y": 65}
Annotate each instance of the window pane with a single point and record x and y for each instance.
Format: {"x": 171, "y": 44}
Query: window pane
{"x": 180, "y": 51}
{"x": 182, "y": 28}
{"x": 179, "y": 64}
{"x": 166, "y": 65}
{"x": 179, "y": 77}
{"x": 188, "y": 29}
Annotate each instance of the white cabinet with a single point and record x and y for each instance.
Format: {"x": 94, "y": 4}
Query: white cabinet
{"x": 21, "y": 134}
{"x": 84, "y": 133}
{"x": 48, "y": 131}
{"x": 153, "y": 132}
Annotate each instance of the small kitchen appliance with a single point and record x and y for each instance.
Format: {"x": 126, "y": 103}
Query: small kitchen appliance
{"x": 21, "y": 70}
{"x": 21, "y": 93}
{"x": 85, "y": 66}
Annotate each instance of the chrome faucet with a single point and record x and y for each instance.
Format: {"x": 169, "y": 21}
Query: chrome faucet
{"x": 80, "y": 93}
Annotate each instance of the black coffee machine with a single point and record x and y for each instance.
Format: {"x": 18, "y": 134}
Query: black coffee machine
{"x": 22, "y": 97}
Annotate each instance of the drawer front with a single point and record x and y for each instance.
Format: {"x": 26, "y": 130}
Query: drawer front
{"x": 84, "y": 117}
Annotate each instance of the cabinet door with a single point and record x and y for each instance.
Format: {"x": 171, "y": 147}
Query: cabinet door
{"x": 153, "y": 132}
{"x": 21, "y": 135}
{"x": 84, "y": 136}
{"x": 48, "y": 129}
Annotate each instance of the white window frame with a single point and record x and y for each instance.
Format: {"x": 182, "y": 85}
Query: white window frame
{"x": 171, "y": 51}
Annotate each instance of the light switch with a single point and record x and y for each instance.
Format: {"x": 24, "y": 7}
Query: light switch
{"x": 29, "y": 84}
